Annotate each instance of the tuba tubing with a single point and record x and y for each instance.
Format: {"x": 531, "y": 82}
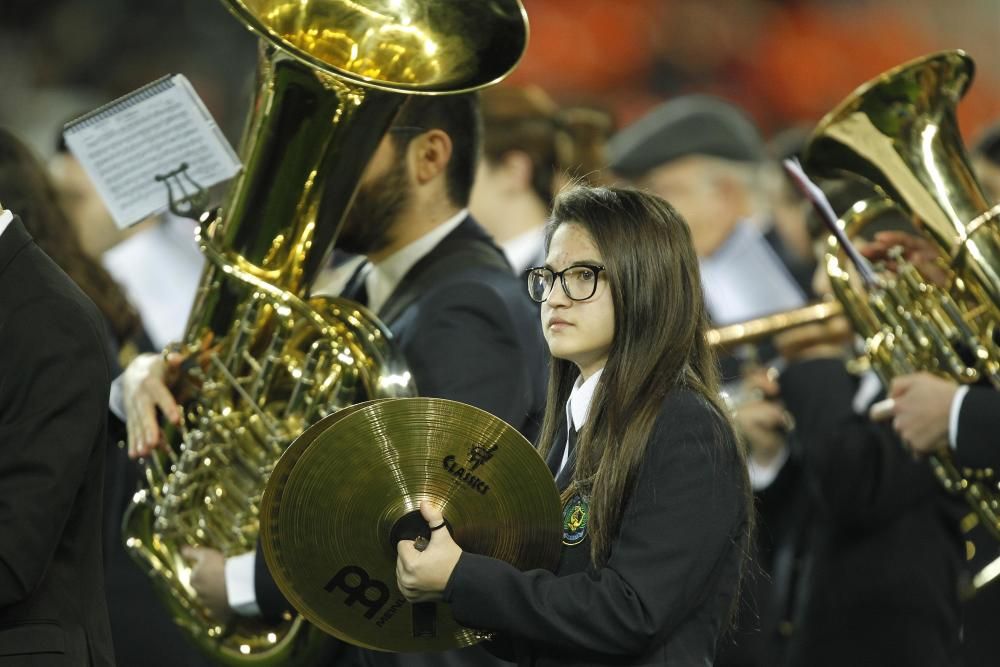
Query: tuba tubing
{"x": 899, "y": 132}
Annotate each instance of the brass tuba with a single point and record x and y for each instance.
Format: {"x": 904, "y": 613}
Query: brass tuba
{"x": 269, "y": 359}
{"x": 899, "y": 133}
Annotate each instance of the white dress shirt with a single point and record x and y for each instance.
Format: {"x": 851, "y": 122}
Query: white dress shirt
{"x": 525, "y": 250}
{"x": 382, "y": 278}
{"x": 159, "y": 267}
{"x": 578, "y": 409}
{"x": 5, "y": 219}
{"x": 745, "y": 279}
{"x": 953, "y": 413}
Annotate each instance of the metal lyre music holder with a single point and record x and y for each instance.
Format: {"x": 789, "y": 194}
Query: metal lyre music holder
{"x": 192, "y": 201}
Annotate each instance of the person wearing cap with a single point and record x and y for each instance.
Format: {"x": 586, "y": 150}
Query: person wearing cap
{"x": 705, "y": 157}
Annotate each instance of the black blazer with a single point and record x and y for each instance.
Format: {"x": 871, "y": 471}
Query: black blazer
{"x": 469, "y": 333}
{"x": 885, "y": 551}
{"x": 54, "y": 383}
{"x": 665, "y": 595}
{"x": 468, "y": 330}
{"x": 978, "y": 443}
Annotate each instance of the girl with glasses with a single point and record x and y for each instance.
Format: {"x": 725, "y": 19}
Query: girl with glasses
{"x": 657, "y": 514}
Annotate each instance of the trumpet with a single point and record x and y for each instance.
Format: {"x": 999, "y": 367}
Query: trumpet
{"x": 760, "y": 328}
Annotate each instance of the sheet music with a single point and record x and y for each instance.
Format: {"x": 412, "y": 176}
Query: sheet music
{"x": 150, "y": 132}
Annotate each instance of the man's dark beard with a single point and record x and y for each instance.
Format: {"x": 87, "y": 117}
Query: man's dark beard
{"x": 377, "y": 205}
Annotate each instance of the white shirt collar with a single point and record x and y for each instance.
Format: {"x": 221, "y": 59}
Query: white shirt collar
{"x": 524, "y": 249}
{"x": 382, "y": 279}
{"x": 6, "y": 218}
{"x": 578, "y": 405}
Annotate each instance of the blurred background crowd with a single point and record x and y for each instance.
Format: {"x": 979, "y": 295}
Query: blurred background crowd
{"x": 786, "y": 62}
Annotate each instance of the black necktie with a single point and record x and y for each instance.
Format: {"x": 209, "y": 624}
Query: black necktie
{"x": 565, "y": 476}
{"x": 355, "y": 290}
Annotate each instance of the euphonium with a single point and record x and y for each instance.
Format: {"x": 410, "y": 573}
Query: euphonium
{"x": 899, "y": 133}
{"x": 268, "y": 358}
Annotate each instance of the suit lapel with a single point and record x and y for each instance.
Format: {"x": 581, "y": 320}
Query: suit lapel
{"x": 14, "y": 238}
{"x": 554, "y": 457}
{"x": 467, "y": 245}
{"x": 565, "y": 476}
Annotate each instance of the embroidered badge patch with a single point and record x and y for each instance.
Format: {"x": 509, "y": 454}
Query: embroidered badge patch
{"x": 576, "y": 514}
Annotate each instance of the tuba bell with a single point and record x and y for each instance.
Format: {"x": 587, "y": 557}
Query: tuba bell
{"x": 899, "y": 133}
{"x": 268, "y": 358}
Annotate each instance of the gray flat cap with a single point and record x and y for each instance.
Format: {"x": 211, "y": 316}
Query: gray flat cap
{"x": 689, "y": 125}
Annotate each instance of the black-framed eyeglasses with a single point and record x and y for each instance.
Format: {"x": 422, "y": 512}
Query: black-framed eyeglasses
{"x": 579, "y": 282}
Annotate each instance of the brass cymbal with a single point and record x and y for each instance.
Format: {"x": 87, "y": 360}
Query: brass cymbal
{"x": 348, "y": 488}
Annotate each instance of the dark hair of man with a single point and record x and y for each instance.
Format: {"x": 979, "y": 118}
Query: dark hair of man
{"x": 28, "y": 192}
{"x": 458, "y": 117}
{"x": 659, "y": 344}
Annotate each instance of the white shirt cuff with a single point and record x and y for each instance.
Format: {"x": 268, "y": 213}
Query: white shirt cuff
{"x": 116, "y": 400}
{"x": 763, "y": 475}
{"x": 240, "y": 584}
{"x": 956, "y": 410}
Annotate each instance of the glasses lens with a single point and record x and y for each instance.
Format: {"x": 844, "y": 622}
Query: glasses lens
{"x": 581, "y": 282}
{"x": 539, "y": 284}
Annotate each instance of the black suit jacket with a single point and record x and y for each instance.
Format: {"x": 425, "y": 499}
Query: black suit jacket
{"x": 978, "y": 444}
{"x": 885, "y": 550}
{"x": 469, "y": 333}
{"x": 468, "y": 330}
{"x": 54, "y": 383}
{"x": 665, "y": 594}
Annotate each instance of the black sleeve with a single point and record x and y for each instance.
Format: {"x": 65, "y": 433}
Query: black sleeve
{"x": 681, "y": 524}
{"x": 978, "y": 435}
{"x": 53, "y": 409}
{"x": 857, "y": 471}
{"x": 270, "y": 600}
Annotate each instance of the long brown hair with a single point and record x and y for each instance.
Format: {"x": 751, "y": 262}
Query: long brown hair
{"x": 26, "y": 190}
{"x": 659, "y": 344}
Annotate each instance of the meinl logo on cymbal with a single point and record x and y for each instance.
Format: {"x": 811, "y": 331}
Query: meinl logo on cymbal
{"x": 480, "y": 454}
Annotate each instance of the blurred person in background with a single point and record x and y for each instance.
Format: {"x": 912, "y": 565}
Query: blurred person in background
{"x": 930, "y": 412}
{"x": 143, "y": 633}
{"x": 83, "y": 205}
{"x": 789, "y": 208}
{"x": 531, "y": 149}
{"x": 883, "y": 555}
{"x": 156, "y": 261}
{"x": 29, "y": 190}
{"x": 707, "y": 159}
